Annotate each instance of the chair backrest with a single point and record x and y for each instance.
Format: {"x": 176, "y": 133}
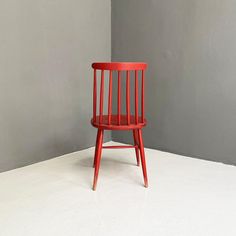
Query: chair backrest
{"x": 119, "y": 69}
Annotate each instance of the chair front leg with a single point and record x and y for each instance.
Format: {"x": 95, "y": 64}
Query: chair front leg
{"x": 98, "y": 159}
{"x": 96, "y": 148}
{"x": 136, "y": 143}
{"x": 143, "y": 157}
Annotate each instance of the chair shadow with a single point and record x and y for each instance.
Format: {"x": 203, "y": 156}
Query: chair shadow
{"x": 88, "y": 161}
{"x": 108, "y": 164}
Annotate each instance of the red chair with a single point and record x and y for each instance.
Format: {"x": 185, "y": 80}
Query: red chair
{"x": 118, "y": 121}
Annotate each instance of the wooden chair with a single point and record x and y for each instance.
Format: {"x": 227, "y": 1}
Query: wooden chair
{"x": 118, "y": 121}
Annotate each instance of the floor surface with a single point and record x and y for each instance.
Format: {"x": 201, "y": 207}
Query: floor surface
{"x": 186, "y": 196}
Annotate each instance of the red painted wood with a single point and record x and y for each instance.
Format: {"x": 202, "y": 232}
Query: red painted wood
{"x": 136, "y": 144}
{"x": 118, "y": 121}
{"x": 101, "y": 97}
{"x": 123, "y": 123}
{"x": 119, "y": 98}
{"x": 141, "y": 146}
{"x": 142, "y": 97}
{"x": 110, "y": 98}
{"x": 96, "y": 149}
{"x": 119, "y": 65}
{"x": 128, "y": 96}
{"x": 136, "y": 97}
{"x": 120, "y": 146}
{"x": 98, "y": 159}
{"x": 94, "y": 95}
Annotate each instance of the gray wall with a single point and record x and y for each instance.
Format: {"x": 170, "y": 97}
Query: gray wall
{"x": 190, "y": 47}
{"x": 46, "y": 48}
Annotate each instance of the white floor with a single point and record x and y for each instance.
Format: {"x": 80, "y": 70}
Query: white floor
{"x": 186, "y": 196}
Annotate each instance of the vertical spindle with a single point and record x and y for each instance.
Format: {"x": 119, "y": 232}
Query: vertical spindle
{"x": 136, "y": 96}
{"x": 110, "y": 98}
{"x": 119, "y": 98}
{"x": 128, "y": 96}
{"x": 142, "y": 97}
{"x": 94, "y": 95}
{"x": 101, "y": 97}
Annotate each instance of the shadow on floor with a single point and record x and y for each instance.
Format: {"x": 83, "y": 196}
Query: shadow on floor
{"x": 105, "y": 161}
{"x": 110, "y": 168}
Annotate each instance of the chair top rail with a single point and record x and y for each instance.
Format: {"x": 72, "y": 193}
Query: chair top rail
{"x": 119, "y": 65}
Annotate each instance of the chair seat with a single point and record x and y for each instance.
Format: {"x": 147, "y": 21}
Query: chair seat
{"x": 114, "y": 123}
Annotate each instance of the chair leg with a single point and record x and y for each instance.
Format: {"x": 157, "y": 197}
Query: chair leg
{"x": 98, "y": 159}
{"x": 135, "y": 136}
{"x": 140, "y": 137}
{"x": 96, "y": 148}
